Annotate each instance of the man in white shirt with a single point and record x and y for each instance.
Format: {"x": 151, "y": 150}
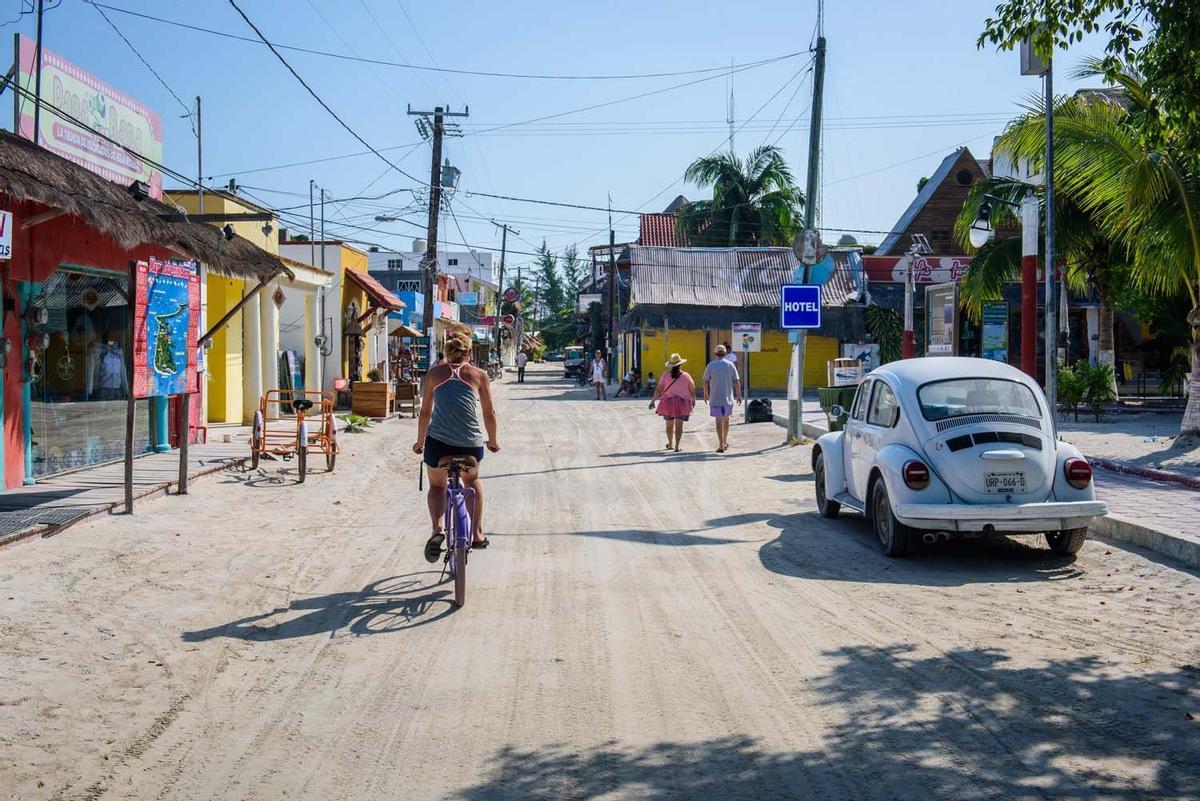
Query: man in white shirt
{"x": 600, "y": 376}
{"x": 522, "y": 360}
{"x": 730, "y": 354}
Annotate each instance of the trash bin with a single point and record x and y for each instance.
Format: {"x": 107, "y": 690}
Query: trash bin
{"x": 836, "y": 396}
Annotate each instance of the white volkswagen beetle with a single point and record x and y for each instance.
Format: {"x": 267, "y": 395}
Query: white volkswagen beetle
{"x": 943, "y": 447}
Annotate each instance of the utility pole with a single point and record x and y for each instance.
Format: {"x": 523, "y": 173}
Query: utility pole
{"x": 312, "y": 228}
{"x": 37, "y": 81}
{"x": 500, "y": 290}
{"x": 1050, "y": 347}
{"x": 435, "y": 206}
{"x": 612, "y": 300}
{"x": 795, "y": 405}
{"x": 199, "y": 159}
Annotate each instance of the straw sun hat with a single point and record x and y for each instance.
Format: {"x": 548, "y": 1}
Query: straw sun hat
{"x": 675, "y": 360}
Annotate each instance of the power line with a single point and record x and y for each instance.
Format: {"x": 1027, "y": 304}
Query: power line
{"x": 188, "y": 110}
{"x": 452, "y": 71}
{"x": 317, "y": 97}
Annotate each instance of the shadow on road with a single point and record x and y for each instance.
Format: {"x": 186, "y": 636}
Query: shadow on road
{"x": 644, "y": 536}
{"x": 969, "y": 723}
{"x": 391, "y": 604}
{"x": 845, "y": 549}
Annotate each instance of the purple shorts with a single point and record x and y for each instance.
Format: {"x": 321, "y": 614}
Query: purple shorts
{"x": 720, "y": 410}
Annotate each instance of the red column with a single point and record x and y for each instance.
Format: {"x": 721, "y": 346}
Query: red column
{"x": 1029, "y": 285}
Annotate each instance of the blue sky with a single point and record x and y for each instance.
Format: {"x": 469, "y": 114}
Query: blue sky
{"x": 905, "y": 84}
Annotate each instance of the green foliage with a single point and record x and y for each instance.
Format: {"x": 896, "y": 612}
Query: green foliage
{"x": 355, "y": 423}
{"x": 573, "y": 269}
{"x": 1175, "y": 375}
{"x": 887, "y": 328}
{"x": 1072, "y": 385}
{"x": 1098, "y": 388}
{"x": 1159, "y": 39}
{"x": 374, "y": 374}
{"x": 755, "y": 202}
{"x": 596, "y": 321}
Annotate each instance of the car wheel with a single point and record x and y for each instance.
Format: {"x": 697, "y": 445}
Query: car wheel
{"x": 826, "y": 507}
{"x": 894, "y": 536}
{"x": 1068, "y": 541}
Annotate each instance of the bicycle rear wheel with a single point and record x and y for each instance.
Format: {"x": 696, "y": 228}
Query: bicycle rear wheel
{"x": 460, "y": 575}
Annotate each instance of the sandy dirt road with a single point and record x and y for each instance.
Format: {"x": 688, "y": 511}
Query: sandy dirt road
{"x": 645, "y": 626}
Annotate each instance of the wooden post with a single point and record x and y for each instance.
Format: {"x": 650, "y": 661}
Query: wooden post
{"x": 185, "y": 431}
{"x": 129, "y": 400}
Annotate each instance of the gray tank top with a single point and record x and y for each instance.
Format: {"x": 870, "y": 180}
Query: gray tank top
{"x": 455, "y": 419}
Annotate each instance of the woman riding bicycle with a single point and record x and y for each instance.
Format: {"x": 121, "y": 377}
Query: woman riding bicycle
{"x": 450, "y": 426}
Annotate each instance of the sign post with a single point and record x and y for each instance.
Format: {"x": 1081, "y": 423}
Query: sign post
{"x": 941, "y": 319}
{"x": 799, "y": 310}
{"x": 746, "y": 337}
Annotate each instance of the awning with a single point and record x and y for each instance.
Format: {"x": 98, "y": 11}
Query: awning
{"x": 378, "y": 295}
{"x": 406, "y": 331}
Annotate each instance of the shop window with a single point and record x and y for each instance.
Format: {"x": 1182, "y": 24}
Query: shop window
{"x": 453, "y": 262}
{"x": 80, "y": 386}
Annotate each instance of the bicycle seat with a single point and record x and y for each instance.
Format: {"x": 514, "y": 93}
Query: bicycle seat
{"x": 302, "y": 404}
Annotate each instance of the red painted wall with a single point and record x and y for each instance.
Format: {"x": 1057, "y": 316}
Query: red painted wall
{"x": 36, "y": 253}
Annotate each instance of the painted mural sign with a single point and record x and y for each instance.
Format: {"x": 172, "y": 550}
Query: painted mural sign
{"x": 6, "y": 222}
{"x": 166, "y": 327}
{"x": 927, "y": 270}
{"x": 88, "y": 107}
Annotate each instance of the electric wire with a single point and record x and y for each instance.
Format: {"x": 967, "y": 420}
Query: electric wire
{"x": 452, "y": 71}
{"x": 187, "y": 110}
{"x": 317, "y": 97}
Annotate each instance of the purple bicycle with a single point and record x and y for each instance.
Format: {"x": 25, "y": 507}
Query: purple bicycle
{"x": 459, "y": 502}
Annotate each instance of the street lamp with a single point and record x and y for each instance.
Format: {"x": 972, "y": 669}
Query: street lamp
{"x": 981, "y": 229}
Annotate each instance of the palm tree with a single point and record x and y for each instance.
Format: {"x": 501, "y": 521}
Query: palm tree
{"x": 755, "y": 202}
{"x": 1143, "y": 195}
{"x": 1093, "y": 262}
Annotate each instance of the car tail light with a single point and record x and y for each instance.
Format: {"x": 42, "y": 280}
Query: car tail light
{"x": 916, "y": 475}
{"x": 1078, "y": 473}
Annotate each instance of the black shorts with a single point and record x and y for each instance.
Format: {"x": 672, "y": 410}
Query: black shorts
{"x": 436, "y": 450}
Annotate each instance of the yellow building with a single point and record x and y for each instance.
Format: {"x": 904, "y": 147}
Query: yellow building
{"x": 243, "y": 360}
{"x": 685, "y": 300}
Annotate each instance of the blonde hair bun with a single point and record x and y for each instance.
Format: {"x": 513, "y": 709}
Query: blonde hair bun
{"x": 458, "y": 343}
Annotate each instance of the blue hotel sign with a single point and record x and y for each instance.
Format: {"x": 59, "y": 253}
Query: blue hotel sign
{"x": 800, "y": 306}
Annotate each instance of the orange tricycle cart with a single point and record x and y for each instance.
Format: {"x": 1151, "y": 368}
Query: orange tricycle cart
{"x": 294, "y": 422}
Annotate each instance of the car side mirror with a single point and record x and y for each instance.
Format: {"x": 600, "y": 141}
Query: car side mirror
{"x": 836, "y": 411}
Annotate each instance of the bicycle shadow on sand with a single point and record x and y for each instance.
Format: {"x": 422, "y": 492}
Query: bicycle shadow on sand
{"x": 390, "y": 604}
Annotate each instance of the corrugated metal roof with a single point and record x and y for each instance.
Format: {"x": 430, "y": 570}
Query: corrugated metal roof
{"x": 914, "y": 208}
{"x": 726, "y": 276}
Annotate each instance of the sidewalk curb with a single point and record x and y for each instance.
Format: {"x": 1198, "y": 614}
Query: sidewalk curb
{"x": 1112, "y": 527}
{"x": 1115, "y": 528}
{"x": 1151, "y": 473}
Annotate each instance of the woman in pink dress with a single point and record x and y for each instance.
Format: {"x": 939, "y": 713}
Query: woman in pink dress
{"x": 676, "y": 396}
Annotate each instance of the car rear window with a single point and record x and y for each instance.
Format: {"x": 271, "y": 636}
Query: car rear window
{"x": 956, "y": 397}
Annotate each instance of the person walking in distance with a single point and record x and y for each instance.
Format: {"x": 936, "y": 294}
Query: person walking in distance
{"x": 455, "y": 413}
{"x": 730, "y": 354}
{"x": 722, "y": 386}
{"x": 522, "y": 360}
{"x": 600, "y": 376}
{"x": 676, "y": 397}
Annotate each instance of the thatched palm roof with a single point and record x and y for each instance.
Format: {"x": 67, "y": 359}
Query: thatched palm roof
{"x": 29, "y": 172}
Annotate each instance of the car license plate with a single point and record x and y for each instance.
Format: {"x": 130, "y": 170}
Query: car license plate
{"x": 1004, "y": 483}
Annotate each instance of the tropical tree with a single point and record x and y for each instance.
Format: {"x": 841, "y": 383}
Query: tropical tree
{"x": 573, "y": 271}
{"x": 755, "y": 202}
{"x": 1093, "y": 263}
{"x": 1144, "y": 197}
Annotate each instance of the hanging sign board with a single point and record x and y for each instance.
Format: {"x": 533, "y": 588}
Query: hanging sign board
{"x": 6, "y": 223}
{"x": 747, "y": 337}
{"x": 166, "y": 321}
{"x": 467, "y": 298}
{"x": 995, "y": 331}
{"x": 941, "y": 319}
